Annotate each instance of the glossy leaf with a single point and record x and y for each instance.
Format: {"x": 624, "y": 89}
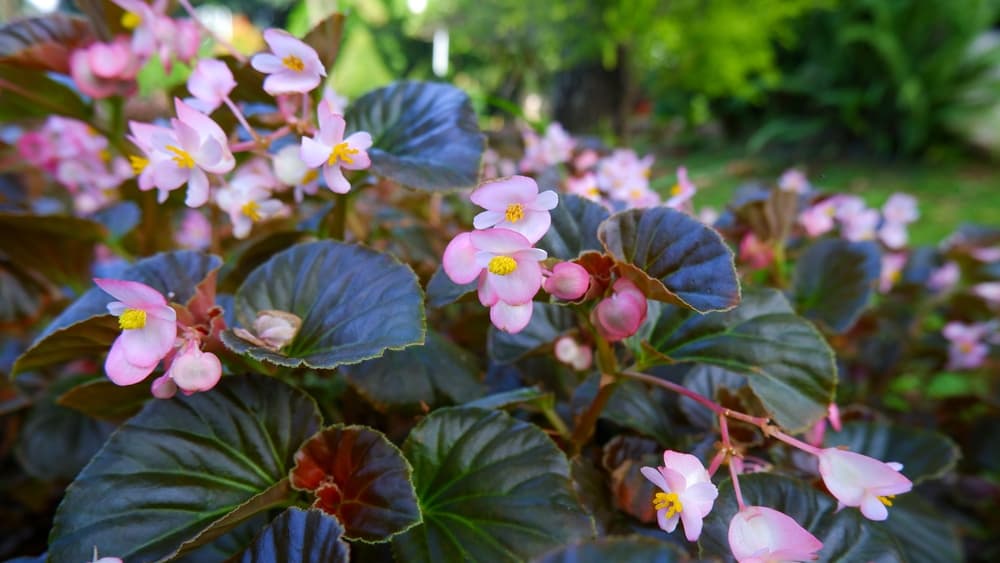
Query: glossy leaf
{"x": 574, "y": 227}
{"x": 548, "y": 322}
{"x": 491, "y": 488}
{"x": 787, "y": 363}
{"x": 178, "y": 468}
{"x": 59, "y": 248}
{"x": 673, "y": 257}
{"x": 43, "y": 42}
{"x": 103, "y": 400}
{"x": 300, "y": 536}
{"x": 253, "y": 253}
{"x": 924, "y": 535}
{"x": 354, "y": 303}
{"x": 846, "y": 535}
{"x": 834, "y": 280}
{"x": 85, "y": 329}
{"x": 425, "y": 134}
{"x": 923, "y": 453}
{"x": 436, "y": 373}
{"x": 360, "y": 477}
{"x": 22, "y": 294}
{"x": 620, "y": 549}
{"x": 442, "y": 291}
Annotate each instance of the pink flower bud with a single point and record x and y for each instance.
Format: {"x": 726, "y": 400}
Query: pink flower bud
{"x": 163, "y": 387}
{"x": 755, "y": 253}
{"x": 102, "y": 70}
{"x": 193, "y": 370}
{"x": 620, "y": 316}
{"x": 568, "y": 281}
{"x": 571, "y": 353}
{"x": 276, "y": 328}
{"x": 758, "y": 533}
{"x": 210, "y": 83}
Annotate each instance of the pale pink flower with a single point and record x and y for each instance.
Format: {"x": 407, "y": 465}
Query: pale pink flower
{"x": 163, "y": 387}
{"x": 794, "y": 181}
{"x": 986, "y": 254}
{"x": 891, "y": 272}
{"x": 195, "y": 231}
{"x": 510, "y": 318}
{"x": 568, "y": 281}
{"x": 754, "y": 253}
{"x": 818, "y": 219}
{"x": 893, "y": 235}
{"x": 247, "y": 199}
{"x": 193, "y": 370}
{"x": 708, "y": 215}
{"x": 153, "y": 32}
{"x": 682, "y": 192}
{"x": 990, "y": 291}
{"x": 858, "y": 480}
{"x": 758, "y": 534}
{"x": 623, "y": 171}
{"x": 572, "y": 353}
{"x": 900, "y": 208}
{"x": 816, "y": 434}
{"x": 638, "y": 196}
{"x": 330, "y": 150}
{"x": 210, "y": 83}
{"x": 514, "y": 203}
{"x": 291, "y": 171}
{"x": 337, "y": 102}
{"x": 688, "y": 493}
{"x": 584, "y": 186}
{"x": 102, "y": 70}
{"x": 292, "y": 66}
{"x": 149, "y": 328}
{"x": 945, "y": 277}
{"x": 619, "y": 316}
{"x": 586, "y": 160}
{"x": 187, "y": 40}
{"x": 503, "y": 261}
{"x": 966, "y": 348}
{"x": 554, "y": 148}
{"x": 857, "y": 224}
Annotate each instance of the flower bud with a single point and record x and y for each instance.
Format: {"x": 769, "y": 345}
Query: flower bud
{"x": 276, "y": 328}
{"x": 619, "y": 316}
{"x": 568, "y": 281}
{"x": 862, "y": 481}
{"x": 163, "y": 387}
{"x": 193, "y": 370}
{"x": 758, "y": 533}
{"x": 102, "y": 70}
{"x": 570, "y": 352}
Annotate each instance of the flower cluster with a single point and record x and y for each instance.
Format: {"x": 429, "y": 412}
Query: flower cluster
{"x": 859, "y": 222}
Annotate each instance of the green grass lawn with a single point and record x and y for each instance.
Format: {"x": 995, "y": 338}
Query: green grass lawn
{"x": 949, "y": 194}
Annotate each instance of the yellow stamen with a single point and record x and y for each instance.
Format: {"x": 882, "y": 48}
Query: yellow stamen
{"x": 668, "y": 501}
{"x": 132, "y": 319}
{"x": 676, "y": 190}
{"x": 309, "y": 176}
{"x": 501, "y": 265}
{"x": 341, "y": 152}
{"x": 131, "y": 20}
{"x": 183, "y": 158}
{"x": 105, "y": 155}
{"x": 895, "y": 276}
{"x": 138, "y": 163}
{"x": 293, "y": 63}
{"x": 515, "y": 212}
{"x": 885, "y": 500}
{"x": 965, "y": 347}
{"x": 252, "y": 210}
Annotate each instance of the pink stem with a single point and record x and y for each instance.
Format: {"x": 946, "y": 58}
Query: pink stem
{"x": 717, "y": 461}
{"x": 229, "y": 46}
{"x": 736, "y": 486}
{"x": 241, "y": 118}
{"x": 773, "y": 431}
{"x": 700, "y": 399}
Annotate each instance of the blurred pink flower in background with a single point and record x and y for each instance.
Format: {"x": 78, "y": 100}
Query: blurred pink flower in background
{"x": 818, "y": 219}
{"x": 210, "y": 83}
{"x": 945, "y": 277}
{"x": 573, "y": 354}
{"x": 584, "y": 186}
{"x": 195, "y": 231}
{"x": 555, "y": 147}
{"x": 967, "y": 348}
{"x": 102, "y": 70}
{"x": 793, "y": 180}
{"x": 891, "y": 272}
{"x": 682, "y": 192}
{"x": 754, "y": 253}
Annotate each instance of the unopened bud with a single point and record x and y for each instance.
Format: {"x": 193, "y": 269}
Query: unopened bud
{"x": 568, "y": 281}
{"x": 571, "y": 353}
{"x": 619, "y": 316}
{"x": 276, "y": 328}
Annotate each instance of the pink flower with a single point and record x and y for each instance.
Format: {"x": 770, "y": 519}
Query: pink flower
{"x": 688, "y": 493}
{"x": 291, "y": 171}
{"x": 510, "y": 318}
{"x": 683, "y": 190}
{"x": 193, "y": 370}
{"x": 568, "y": 281}
{"x": 293, "y": 66}
{"x": 195, "y": 231}
{"x": 862, "y": 481}
{"x": 149, "y": 328}
{"x": 708, "y": 215}
{"x": 755, "y": 253}
{"x": 859, "y": 224}
{"x": 210, "y": 83}
{"x": 966, "y": 348}
{"x": 584, "y": 186}
{"x": 586, "y": 160}
{"x": 328, "y": 148}
{"x": 794, "y": 181}
{"x": 554, "y": 148}
{"x": 514, "y": 203}
{"x": 893, "y": 235}
{"x": 186, "y": 40}
{"x": 619, "y": 316}
{"x": 987, "y": 254}
{"x": 989, "y": 291}
{"x": 892, "y": 271}
{"x": 901, "y": 209}
{"x": 818, "y": 219}
{"x": 945, "y": 277}
{"x": 102, "y": 70}
{"x": 758, "y": 534}
{"x": 816, "y": 434}
{"x": 572, "y": 353}
{"x": 247, "y": 199}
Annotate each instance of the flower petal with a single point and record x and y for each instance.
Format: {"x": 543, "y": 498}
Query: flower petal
{"x": 654, "y": 477}
{"x": 314, "y": 153}
{"x": 510, "y": 318}
{"x": 496, "y": 195}
{"x": 487, "y": 219}
{"x": 133, "y": 294}
{"x": 533, "y": 225}
{"x": 519, "y": 286}
{"x": 197, "y": 192}
{"x": 500, "y": 241}
{"x": 147, "y": 346}
{"x": 459, "y": 260}
{"x": 335, "y": 179}
{"x": 120, "y": 371}
{"x": 545, "y": 201}
{"x": 266, "y": 63}
{"x": 331, "y": 124}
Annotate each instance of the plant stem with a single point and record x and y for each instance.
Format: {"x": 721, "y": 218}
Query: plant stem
{"x": 242, "y": 119}
{"x": 773, "y": 431}
{"x": 700, "y": 399}
{"x": 736, "y": 485}
{"x": 607, "y": 364}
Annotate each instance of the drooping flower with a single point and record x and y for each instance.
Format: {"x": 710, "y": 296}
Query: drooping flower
{"x": 619, "y": 316}
{"x": 510, "y": 318}
{"x": 568, "y": 281}
{"x": 292, "y": 66}
{"x": 193, "y": 370}
{"x": 514, "y": 203}
{"x": 210, "y": 83}
{"x": 682, "y": 192}
{"x": 758, "y": 534}
{"x": 330, "y": 150}
{"x": 102, "y": 70}
{"x": 966, "y": 349}
{"x": 572, "y": 353}
{"x": 861, "y": 481}
{"x": 687, "y": 492}
{"x": 149, "y": 328}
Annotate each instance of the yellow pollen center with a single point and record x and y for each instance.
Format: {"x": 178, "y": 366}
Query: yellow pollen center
{"x": 132, "y": 319}
{"x": 138, "y": 163}
{"x": 501, "y": 265}
{"x": 105, "y": 155}
{"x": 252, "y": 210}
{"x": 515, "y": 212}
{"x": 830, "y": 211}
{"x": 668, "y": 501}
{"x": 309, "y": 176}
{"x": 341, "y": 152}
{"x": 131, "y": 20}
{"x": 885, "y": 500}
{"x": 895, "y": 276}
{"x": 293, "y": 63}
{"x": 182, "y": 158}
{"x": 965, "y": 347}
{"x": 676, "y": 190}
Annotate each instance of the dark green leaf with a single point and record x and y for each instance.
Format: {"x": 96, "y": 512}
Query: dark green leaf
{"x": 325, "y": 37}
{"x": 436, "y": 373}
{"x": 85, "y": 329}
{"x": 253, "y": 253}
{"x": 834, "y": 280}
{"x": 788, "y": 364}
{"x": 923, "y": 534}
{"x": 924, "y": 454}
{"x": 360, "y": 477}
{"x": 425, "y": 134}
{"x": 300, "y": 536}
{"x": 491, "y": 488}
{"x": 59, "y": 248}
{"x": 673, "y": 257}
{"x": 627, "y": 549}
{"x": 574, "y": 227}
{"x": 442, "y": 291}
{"x": 22, "y": 294}
{"x": 520, "y": 396}
{"x": 43, "y": 42}
{"x": 548, "y": 322}
{"x": 355, "y": 303}
{"x": 102, "y": 399}
{"x": 179, "y": 467}
{"x": 31, "y": 93}
{"x": 846, "y": 535}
